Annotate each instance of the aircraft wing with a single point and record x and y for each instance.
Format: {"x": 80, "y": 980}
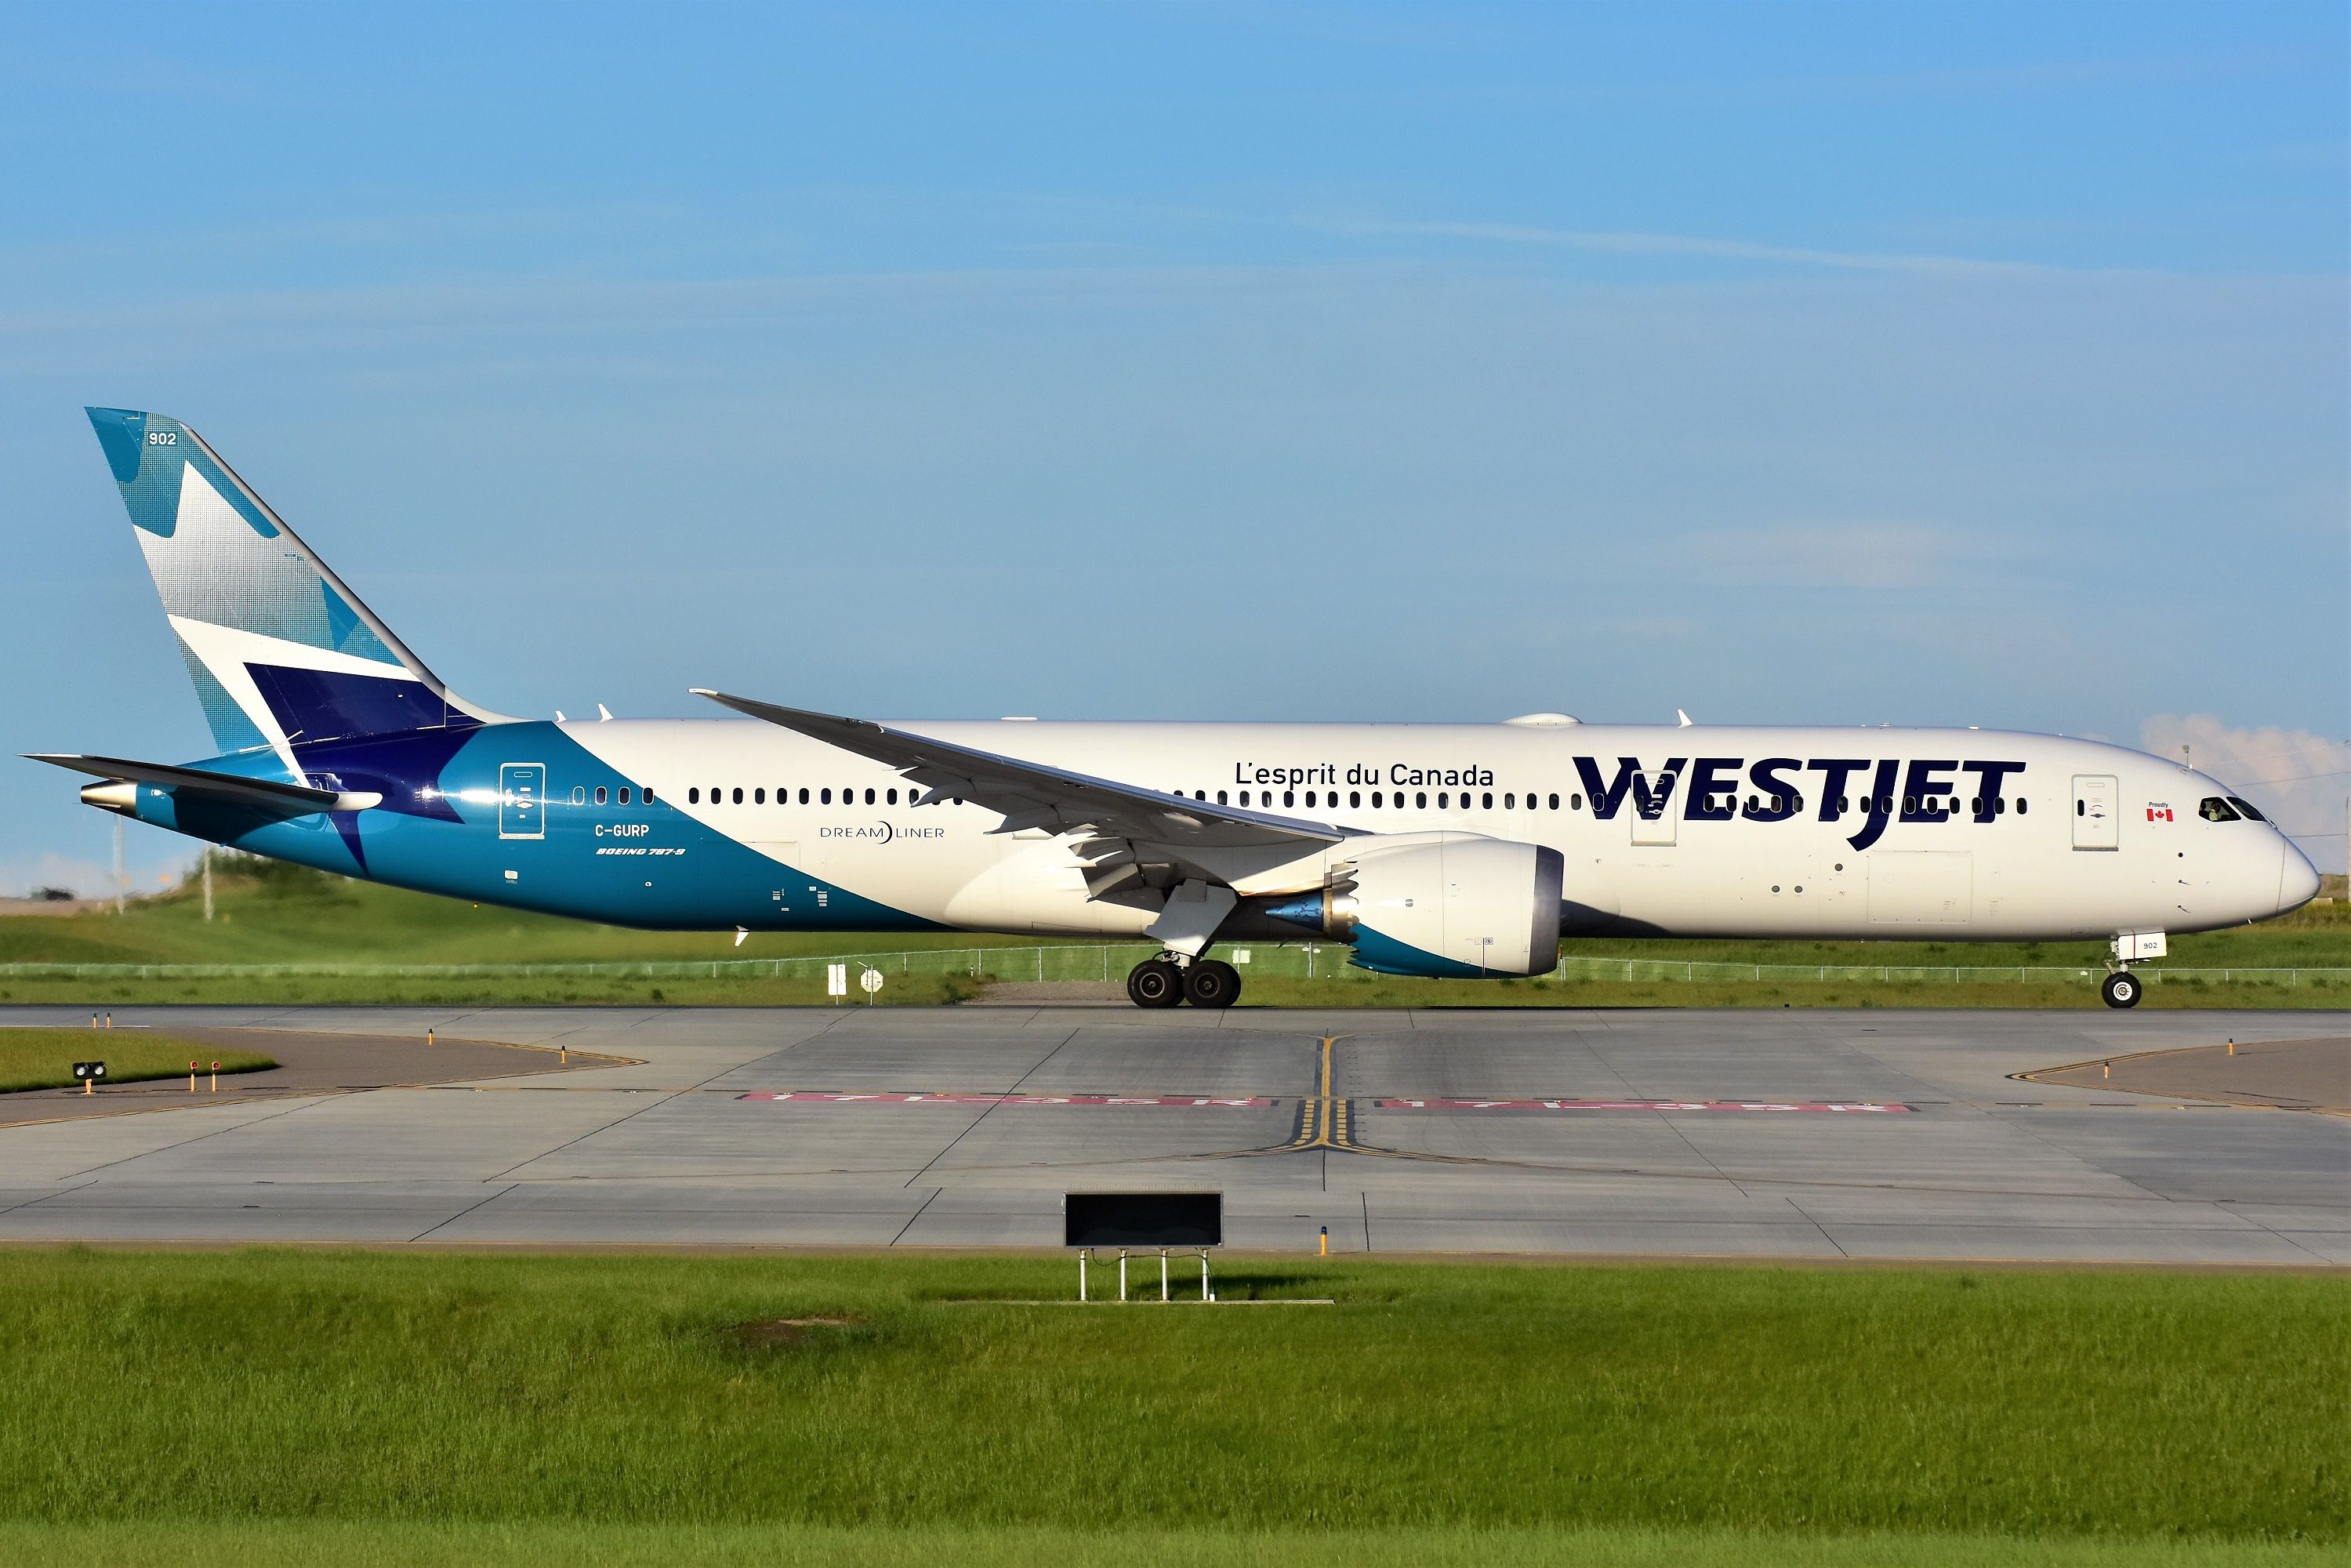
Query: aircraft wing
{"x": 1031, "y": 795}
{"x": 297, "y": 799}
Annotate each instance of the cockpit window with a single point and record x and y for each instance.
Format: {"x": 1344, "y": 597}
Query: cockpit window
{"x": 2216, "y": 810}
{"x": 2247, "y": 808}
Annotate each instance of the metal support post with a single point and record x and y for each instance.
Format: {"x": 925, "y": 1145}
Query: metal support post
{"x": 1122, "y": 1273}
{"x": 1162, "y": 1273}
{"x": 1205, "y": 1293}
{"x": 1083, "y": 1253}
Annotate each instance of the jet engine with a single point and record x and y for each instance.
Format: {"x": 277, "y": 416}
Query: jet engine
{"x": 1462, "y": 907}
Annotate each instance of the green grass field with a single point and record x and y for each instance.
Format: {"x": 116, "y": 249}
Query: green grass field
{"x": 285, "y": 914}
{"x": 44, "y": 1058}
{"x": 337, "y": 1406}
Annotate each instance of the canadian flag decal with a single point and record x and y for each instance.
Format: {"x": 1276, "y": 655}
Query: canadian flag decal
{"x": 2158, "y": 812}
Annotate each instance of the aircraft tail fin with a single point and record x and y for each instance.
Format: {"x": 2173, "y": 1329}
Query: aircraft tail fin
{"x": 281, "y": 651}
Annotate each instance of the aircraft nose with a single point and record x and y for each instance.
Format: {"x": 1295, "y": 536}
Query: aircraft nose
{"x": 2297, "y": 878}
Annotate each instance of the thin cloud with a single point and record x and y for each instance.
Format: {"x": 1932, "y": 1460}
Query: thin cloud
{"x": 1876, "y": 556}
{"x": 1639, "y": 243}
{"x": 2298, "y": 777}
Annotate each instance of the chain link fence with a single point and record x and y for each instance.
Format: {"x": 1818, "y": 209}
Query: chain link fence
{"x": 1107, "y": 962}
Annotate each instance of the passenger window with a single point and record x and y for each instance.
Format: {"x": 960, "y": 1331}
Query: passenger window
{"x": 1421, "y": 799}
{"x": 578, "y": 795}
{"x": 1355, "y": 799}
{"x": 1376, "y": 799}
{"x": 1443, "y": 799}
{"x": 2019, "y": 805}
{"x": 1244, "y": 798}
{"x": 893, "y": 796}
{"x": 738, "y": 794}
{"x": 1220, "y": 799}
{"x": 870, "y": 798}
{"x": 693, "y": 796}
{"x": 600, "y": 794}
{"x": 824, "y": 796}
{"x": 803, "y": 795}
{"x": 1487, "y": 800}
{"x": 1286, "y": 797}
{"x": 624, "y": 795}
{"x": 649, "y": 795}
{"x": 2246, "y": 808}
{"x": 759, "y": 796}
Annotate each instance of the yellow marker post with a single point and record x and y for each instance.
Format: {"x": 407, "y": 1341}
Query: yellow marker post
{"x": 428, "y": 1037}
{"x": 109, "y": 1021}
{"x": 2233, "y": 1047}
{"x": 1323, "y": 1250}
{"x": 215, "y": 1089}
{"x": 2106, "y": 1069}
{"x": 191, "y": 1078}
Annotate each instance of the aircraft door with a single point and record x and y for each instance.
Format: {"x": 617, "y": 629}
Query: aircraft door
{"x": 1657, "y": 813}
{"x": 522, "y": 799}
{"x": 2097, "y": 825}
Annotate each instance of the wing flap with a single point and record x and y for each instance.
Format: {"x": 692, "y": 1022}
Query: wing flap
{"x": 1033, "y": 795}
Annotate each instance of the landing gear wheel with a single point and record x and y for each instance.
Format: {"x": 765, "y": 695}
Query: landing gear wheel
{"x": 1209, "y": 984}
{"x": 2121, "y": 989}
{"x": 1154, "y": 983}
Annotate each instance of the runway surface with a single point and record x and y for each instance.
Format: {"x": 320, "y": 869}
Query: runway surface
{"x": 1876, "y": 1135}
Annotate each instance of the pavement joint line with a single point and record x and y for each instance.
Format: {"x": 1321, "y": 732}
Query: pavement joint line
{"x": 916, "y": 1214}
{"x": 987, "y": 1111}
{"x": 200, "y": 1137}
{"x": 462, "y": 1213}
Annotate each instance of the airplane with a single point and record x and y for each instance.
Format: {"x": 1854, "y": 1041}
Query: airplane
{"x": 1460, "y": 851}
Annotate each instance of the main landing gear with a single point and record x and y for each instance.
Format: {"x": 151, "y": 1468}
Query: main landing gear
{"x": 1162, "y": 982}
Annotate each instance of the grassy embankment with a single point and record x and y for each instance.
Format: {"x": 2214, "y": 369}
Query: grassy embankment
{"x": 288, "y": 915}
{"x": 44, "y": 1058}
{"x": 337, "y": 1406}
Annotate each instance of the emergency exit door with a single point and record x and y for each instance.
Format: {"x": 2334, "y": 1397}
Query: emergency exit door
{"x": 522, "y": 799}
{"x": 1656, "y": 808}
{"x": 2097, "y": 825}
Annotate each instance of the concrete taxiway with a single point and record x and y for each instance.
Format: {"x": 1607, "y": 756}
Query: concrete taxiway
{"x": 1814, "y": 1135}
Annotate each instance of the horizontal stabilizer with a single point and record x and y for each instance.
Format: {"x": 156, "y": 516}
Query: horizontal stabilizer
{"x": 293, "y": 800}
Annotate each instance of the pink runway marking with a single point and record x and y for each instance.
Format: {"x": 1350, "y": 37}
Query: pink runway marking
{"x": 1832, "y": 1106}
{"x": 1185, "y": 1102}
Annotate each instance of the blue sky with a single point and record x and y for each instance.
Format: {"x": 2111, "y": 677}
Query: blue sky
{"x": 1906, "y": 363}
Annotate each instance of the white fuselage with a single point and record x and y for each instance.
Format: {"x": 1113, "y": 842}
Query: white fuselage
{"x": 1757, "y": 832}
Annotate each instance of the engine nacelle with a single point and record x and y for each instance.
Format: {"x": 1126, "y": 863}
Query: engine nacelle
{"x": 1462, "y": 907}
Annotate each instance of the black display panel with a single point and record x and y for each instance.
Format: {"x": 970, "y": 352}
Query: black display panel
{"x": 1143, "y": 1219}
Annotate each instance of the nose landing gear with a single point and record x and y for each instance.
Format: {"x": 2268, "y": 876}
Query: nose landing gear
{"x": 2121, "y": 988}
{"x": 1162, "y": 982}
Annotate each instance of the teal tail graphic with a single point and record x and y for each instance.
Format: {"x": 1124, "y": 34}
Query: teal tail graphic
{"x": 282, "y": 653}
